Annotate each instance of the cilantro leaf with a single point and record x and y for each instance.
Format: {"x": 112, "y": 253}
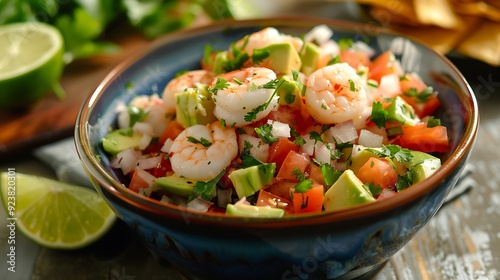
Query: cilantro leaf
{"x": 300, "y": 176}
{"x": 246, "y": 158}
{"x": 378, "y": 115}
{"x": 404, "y": 181}
{"x": 345, "y": 43}
{"x": 205, "y": 189}
{"x": 316, "y": 136}
{"x": 202, "y": 141}
{"x": 252, "y": 115}
{"x": 265, "y": 133}
{"x": 330, "y": 174}
{"x": 333, "y": 60}
{"x": 298, "y": 82}
{"x": 393, "y": 152}
{"x": 136, "y": 114}
{"x": 259, "y": 55}
{"x": 220, "y": 83}
{"x": 372, "y": 188}
{"x": 303, "y": 186}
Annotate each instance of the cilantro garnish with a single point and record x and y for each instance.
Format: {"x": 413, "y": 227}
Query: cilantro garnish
{"x": 246, "y": 158}
{"x": 265, "y": 133}
{"x": 393, "y": 152}
{"x": 298, "y": 82}
{"x": 202, "y": 141}
{"x": 379, "y": 115}
{"x": 330, "y": 174}
{"x": 372, "y": 188}
{"x": 404, "y": 181}
{"x": 259, "y": 55}
{"x": 289, "y": 98}
{"x": 236, "y": 80}
{"x": 335, "y": 59}
{"x": 205, "y": 189}
{"x": 316, "y": 136}
{"x": 300, "y": 176}
{"x": 432, "y": 121}
{"x": 299, "y": 141}
{"x": 345, "y": 43}
{"x": 303, "y": 186}
{"x": 273, "y": 84}
{"x": 422, "y": 96}
{"x": 136, "y": 114}
{"x": 352, "y": 86}
{"x": 220, "y": 83}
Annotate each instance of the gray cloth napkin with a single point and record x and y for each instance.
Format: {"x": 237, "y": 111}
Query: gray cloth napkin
{"x": 63, "y": 158}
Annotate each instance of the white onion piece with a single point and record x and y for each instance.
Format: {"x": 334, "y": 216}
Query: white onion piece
{"x": 126, "y": 160}
{"x": 199, "y": 205}
{"x": 123, "y": 119}
{"x": 243, "y": 200}
{"x": 370, "y": 139}
{"x": 148, "y": 163}
{"x": 308, "y": 146}
{"x": 224, "y": 197}
{"x": 259, "y": 150}
{"x": 322, "y": 153}
{"x": 279, "y": 129}
{"x": 320, "y": 33}
{"x": 143, "y": 128}
{"x": 342, "y": 132}
{"x": 330, "y": 47}
{"x": 389, "y": 86}
{"x": 167, "y": 145}
{"x": 363, "y": 47}
{"x": 144, "y": 141}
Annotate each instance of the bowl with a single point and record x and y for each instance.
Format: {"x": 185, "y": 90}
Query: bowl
{"x": 346, "y": 244}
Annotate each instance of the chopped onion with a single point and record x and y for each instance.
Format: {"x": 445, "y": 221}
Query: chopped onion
{"x": 343, "y": 132}
{"x": 330, "y": 48}
{"x": 279, "y": 129}
{"x": 363, "y": 47}
{"x": 199, "y": 205}
{"x": 143, "y": 128}
{"x": 144, "y": 141}
{"x": 243, "y": 200}
{"x": 259, "y": 150}
{"x": 167, "y": 145}
{"x": 224, "y": 197}
{"x": 322, "y": 153}
{"x": 148, "y": 163}
{"x": 389, "y": 86}
{"x": 123, "y": 119}
{"x": 370, "y": 139}
{"x": 308, "y": 146}
{"x": 320, "y": 34}
{"x": 126, "y": 160}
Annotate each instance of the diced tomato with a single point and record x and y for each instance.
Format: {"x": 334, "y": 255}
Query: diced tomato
{"x": 411, "y": 81}
{"x": 295, "y": 117}
{"x": 138, "y": 181}
{"x": 279, "y": 150}
{"x": 425, "y": 139}
{"x": 173, "y": 129}
{"x": 315, "y": 174}
{"x": 162, "y": 169}
{"x": 354, "y": 58}
{"x": 266, "y": 198}
{"x": 382, "y": 65}
{"x": 292, "y": 161}
{"x": 310, "y": 201}
{"x": 282, "y": 188}
{"x": 423, "y": 109}
{"x": 379, "y": 172}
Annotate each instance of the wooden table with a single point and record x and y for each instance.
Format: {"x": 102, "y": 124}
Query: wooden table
{"x": 461, "y": 242}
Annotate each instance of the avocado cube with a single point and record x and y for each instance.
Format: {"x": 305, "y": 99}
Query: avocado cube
{"x": 282, "y": 58}
{"x": 347, "y": 191}
{"x": 423, "y": 165}
{"x": 246, "y": 210}
{"x": 400, "y": 111}
{"x": 309, "y": 58}
{"x": 194, "y": 106}
{"x": 119, "y": 140}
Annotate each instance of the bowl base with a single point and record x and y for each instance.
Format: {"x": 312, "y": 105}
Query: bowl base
{"x": 364, "y": 273}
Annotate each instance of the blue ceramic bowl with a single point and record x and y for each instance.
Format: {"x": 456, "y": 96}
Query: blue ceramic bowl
{"x": 344, "y": 244}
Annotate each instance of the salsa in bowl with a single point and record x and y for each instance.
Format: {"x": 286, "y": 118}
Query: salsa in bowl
{"x": 236, "y": 166}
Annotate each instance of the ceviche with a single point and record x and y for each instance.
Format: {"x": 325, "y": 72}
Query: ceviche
{"x": 278, "y": 125}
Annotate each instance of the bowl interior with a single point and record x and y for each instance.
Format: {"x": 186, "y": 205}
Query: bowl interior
{"x": 150, "y": 71}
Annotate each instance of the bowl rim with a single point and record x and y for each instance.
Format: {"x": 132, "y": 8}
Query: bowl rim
{"x": 385, "y": 207}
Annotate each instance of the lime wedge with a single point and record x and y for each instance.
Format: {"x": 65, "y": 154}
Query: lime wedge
{"x": 220, "y": 9}
{"x": 31, "y": 63}
{"x": 54, "y": 214}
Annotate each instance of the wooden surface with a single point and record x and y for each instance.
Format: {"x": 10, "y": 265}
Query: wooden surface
{"x": 52, "y": 119}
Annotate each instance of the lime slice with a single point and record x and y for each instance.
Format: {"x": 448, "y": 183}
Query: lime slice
{"x": 54, "y": 214}
{"x": 31, "y": 63}
{"x": 221, "y": 9}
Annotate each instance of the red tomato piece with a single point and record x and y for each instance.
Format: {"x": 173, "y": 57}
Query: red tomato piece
{"x": 173, "y": 129}
{"x": 386, "y": 193}
{"x": 354, "y": 58}
{"x": 310, "y": 201}
{"x": 381, "y": 66}
{"x": 315, "y": 174}
{"x": 162, "y": 169}
{"x": 282, "y": 188}
{"x": 266, "y": 198}
{"x": 279, "y": 150}
{"x": 292, "y": 161}
{"x": 295, "y": 117}
{"x": 138, "y": 181}
{"x": 423, "y": 109}
{"x": 379, "y": 172}
{"x": 411, "y": 81}
{"x": 425, "y": 139}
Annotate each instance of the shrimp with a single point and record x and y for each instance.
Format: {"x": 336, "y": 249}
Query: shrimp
{"x": 266, "y": 37}
{"x": 243, "y": 96}
{"x": 190, "y": 79}
{"x": 201, "y": 152}
{"x": 335, "y": 94}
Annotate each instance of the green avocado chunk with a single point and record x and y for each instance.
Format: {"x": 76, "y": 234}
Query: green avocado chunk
{"x": 359, "y": 156}
{"x": 282, "y": 58}
{"x": 246, "y": 210}
{"x": 423, "y": 165}
{"x": 347, "y": 191}
{"x": 194, "y": 106}
{"x": 400, "y": 111}
{"x": 247, "y": 181}
{"x": 176, "y": 185}
{"x": 310, "y": 57}
{"x": 119, "y": 140}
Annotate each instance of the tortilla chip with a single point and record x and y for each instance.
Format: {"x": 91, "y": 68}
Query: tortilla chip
{"x": 479, "y": 8}
{"x": 484, "y": 43}
{"x": 436, "y": 12}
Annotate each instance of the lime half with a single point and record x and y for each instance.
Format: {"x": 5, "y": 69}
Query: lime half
{"x": 31, "y": 63}
{"x": 54, "y": 214}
